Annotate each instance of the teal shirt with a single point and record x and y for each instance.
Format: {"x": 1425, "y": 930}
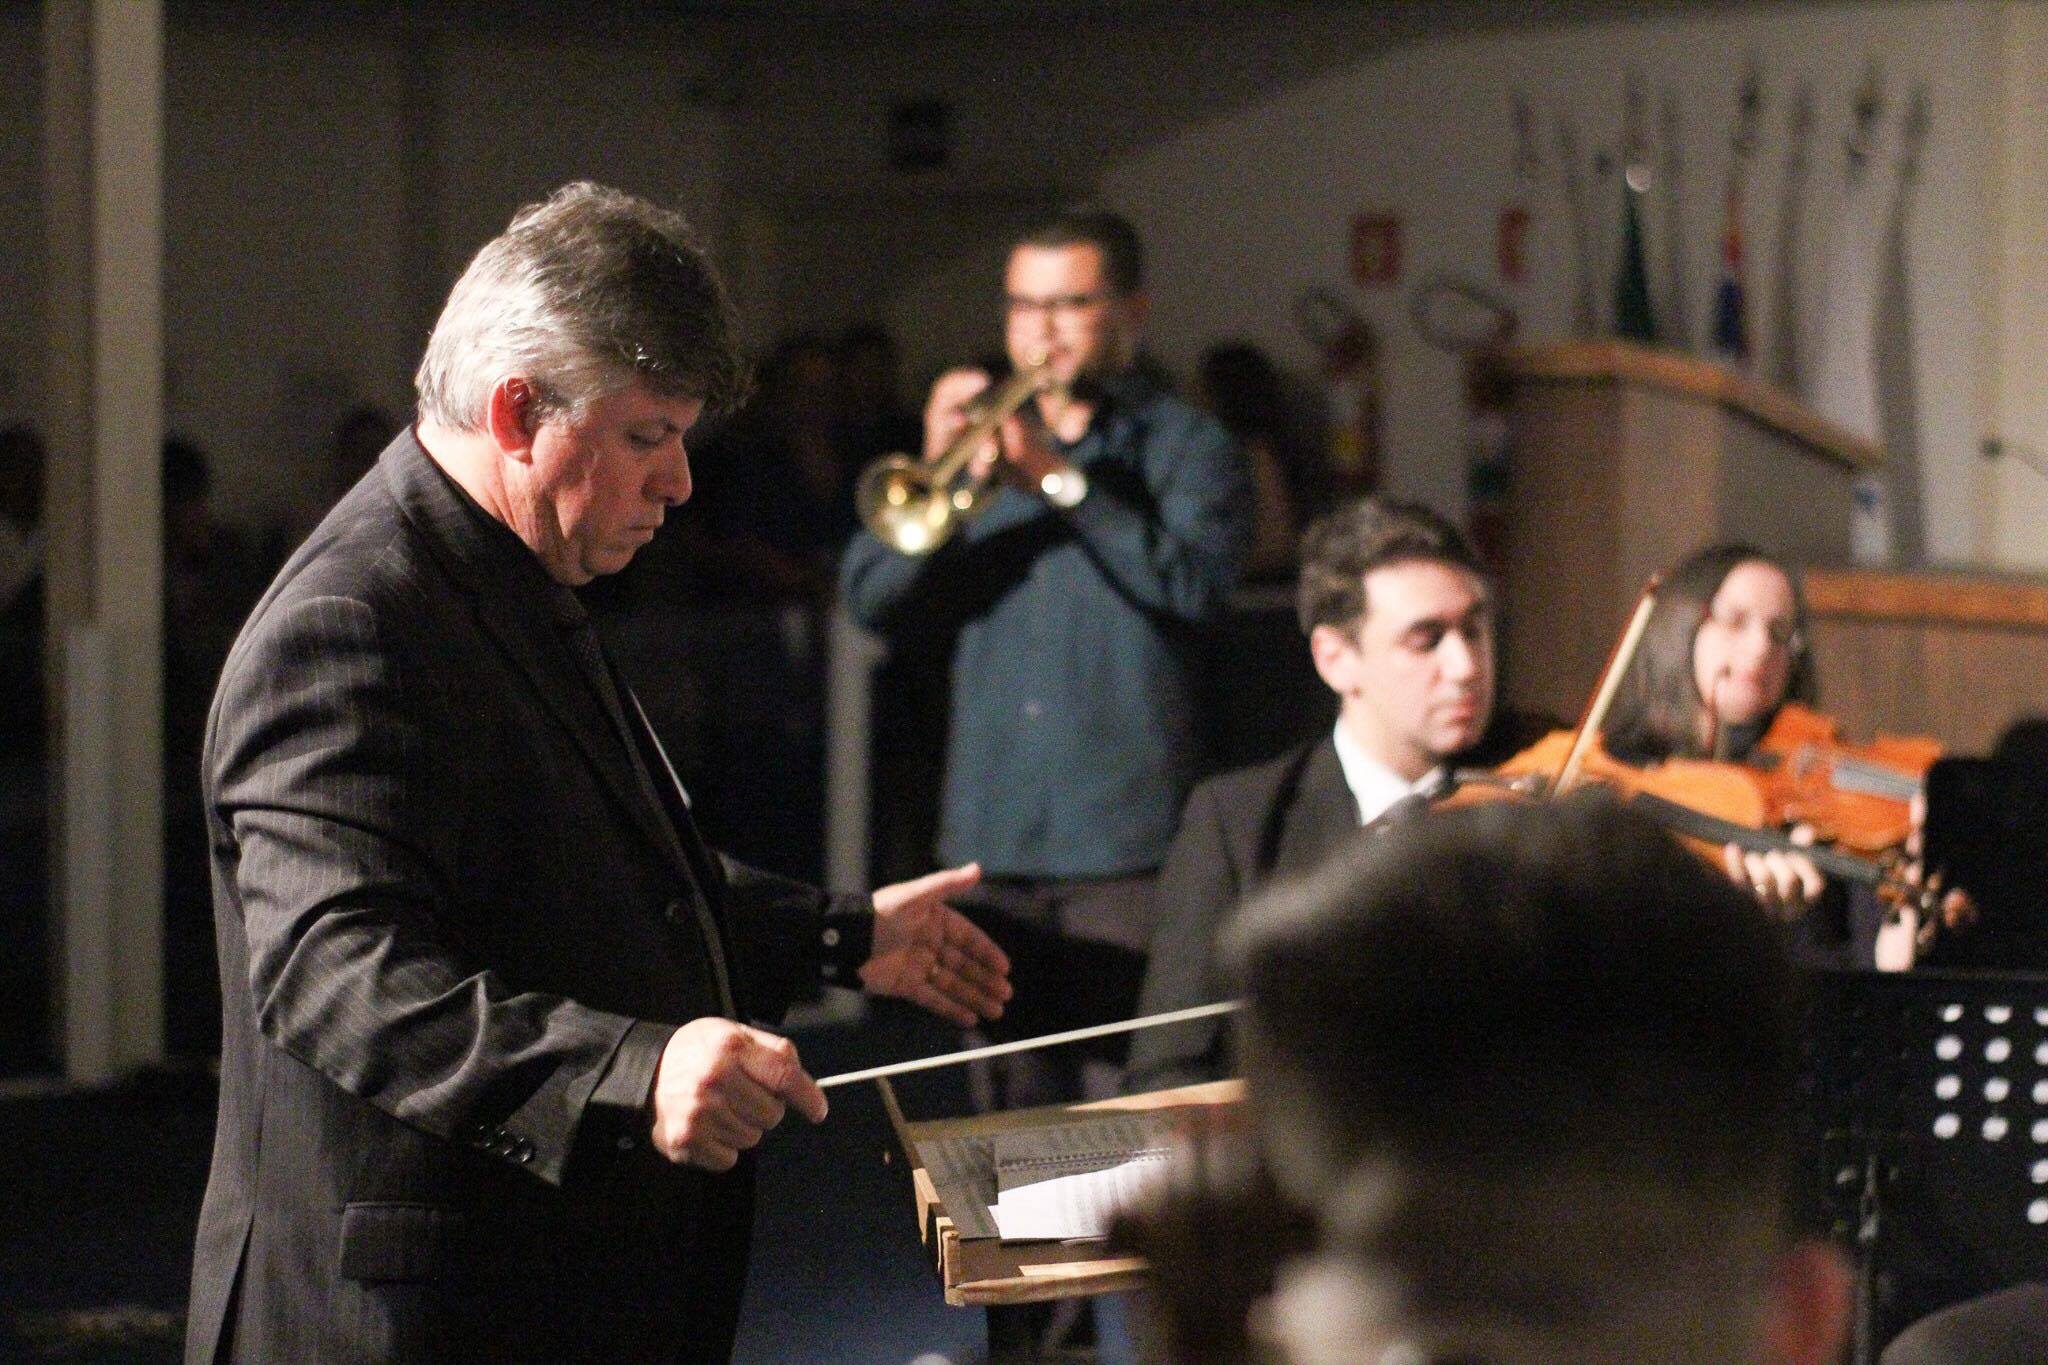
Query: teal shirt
{"x": 1073, "y": 730}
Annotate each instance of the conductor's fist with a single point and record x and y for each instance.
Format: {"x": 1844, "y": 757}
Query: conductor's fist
{"x": 720, "y": 1086}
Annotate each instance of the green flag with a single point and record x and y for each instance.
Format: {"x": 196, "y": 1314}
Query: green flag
{"x": 1632, "y": 315}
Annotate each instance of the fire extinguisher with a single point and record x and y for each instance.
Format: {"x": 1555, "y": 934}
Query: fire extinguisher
{"x": 1351, "y": 374}
{"x": 1473, "y": 324}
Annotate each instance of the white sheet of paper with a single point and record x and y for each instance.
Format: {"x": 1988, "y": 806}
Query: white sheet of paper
{"x": 1077, "y": 1206}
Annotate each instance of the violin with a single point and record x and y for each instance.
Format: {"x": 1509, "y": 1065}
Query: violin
{"x": 1710, "y": 804}
{"x": 1856, "y": 796}
{"x": 1707, "y": 803}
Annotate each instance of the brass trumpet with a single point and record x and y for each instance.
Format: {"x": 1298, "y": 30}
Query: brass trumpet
{"x": 913, "y": 506}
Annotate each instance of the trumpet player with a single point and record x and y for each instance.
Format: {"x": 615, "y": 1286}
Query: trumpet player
{"x": 1112, "y": 527}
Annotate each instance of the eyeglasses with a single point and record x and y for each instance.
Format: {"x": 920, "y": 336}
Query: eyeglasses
{"x": 1057, "y": 306}
{"x": 1781, "y": 633}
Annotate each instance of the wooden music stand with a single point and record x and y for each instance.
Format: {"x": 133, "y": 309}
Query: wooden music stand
{"x": 983, "y": 1271}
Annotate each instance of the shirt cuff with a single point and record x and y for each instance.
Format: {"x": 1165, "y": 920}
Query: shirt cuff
{"x": 846, "y": 938}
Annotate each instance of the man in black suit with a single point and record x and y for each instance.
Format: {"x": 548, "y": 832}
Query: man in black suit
{"x": 1399, "y": 620}
{"x": 486, "y": 1088}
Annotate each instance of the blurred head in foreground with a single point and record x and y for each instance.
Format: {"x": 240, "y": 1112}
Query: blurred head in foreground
{"x": 1532, "y": 1069}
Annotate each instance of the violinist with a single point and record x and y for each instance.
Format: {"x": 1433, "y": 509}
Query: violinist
{"x": 1725, "y": 648}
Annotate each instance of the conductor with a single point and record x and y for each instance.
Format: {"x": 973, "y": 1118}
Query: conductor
{"x": 488, "y": 1080}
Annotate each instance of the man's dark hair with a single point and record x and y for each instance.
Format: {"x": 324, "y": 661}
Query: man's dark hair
{"x": 1526, "y": 987}
{"x": 1123, "y": 255}
{"x": 1340, "y": 548}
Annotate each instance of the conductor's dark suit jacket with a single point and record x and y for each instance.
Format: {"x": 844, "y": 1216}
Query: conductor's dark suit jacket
{"x": 1277, "y": 819}
{"x": 456, "y": 924}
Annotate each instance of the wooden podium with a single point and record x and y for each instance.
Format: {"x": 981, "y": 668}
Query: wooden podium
{"x": 1956, "y": 654}
{"x": 983, "y": 1271}
{"x": 1625, "y": 459}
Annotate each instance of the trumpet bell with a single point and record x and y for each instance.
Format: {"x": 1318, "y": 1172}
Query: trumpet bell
{"x": 898, "y": 501}
{"x": 914, "y": 505}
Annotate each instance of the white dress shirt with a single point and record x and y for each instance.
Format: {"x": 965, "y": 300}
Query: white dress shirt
{"x": 1373, "y": 784}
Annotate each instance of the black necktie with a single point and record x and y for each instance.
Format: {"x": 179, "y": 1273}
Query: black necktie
{"x": 644, "y": 753}
{"x": 1433, "y": 784}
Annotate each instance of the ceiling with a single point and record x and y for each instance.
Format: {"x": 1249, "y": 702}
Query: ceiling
{"x": 1041, "y": 97}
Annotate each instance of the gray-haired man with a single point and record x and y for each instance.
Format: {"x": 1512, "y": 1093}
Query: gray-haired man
{"x": 486, "y": 1086}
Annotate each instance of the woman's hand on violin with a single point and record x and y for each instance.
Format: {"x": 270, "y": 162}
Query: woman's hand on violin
{"x": 1786, "y": 883}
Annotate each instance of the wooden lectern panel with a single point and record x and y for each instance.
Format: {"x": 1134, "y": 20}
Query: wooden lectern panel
{"x": 983, "y": 1271}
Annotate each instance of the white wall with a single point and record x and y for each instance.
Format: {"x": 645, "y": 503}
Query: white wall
{"x": 519, "y": 120}
{"x": 302, "y": 267}
{"x": 289, "y": 222}
{"x": 1244, "y": 213}
{"x": 282, "y": 248}
{"x": 955, "y": 312}
{"x": 2014, "y": 523}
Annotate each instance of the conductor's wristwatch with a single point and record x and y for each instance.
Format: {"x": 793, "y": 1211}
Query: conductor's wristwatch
{"x": 1064, "y": 488}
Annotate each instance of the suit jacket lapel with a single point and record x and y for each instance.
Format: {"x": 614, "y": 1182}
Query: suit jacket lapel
{"x": 573, "y": 701}
{"x": 1321, "y": 814}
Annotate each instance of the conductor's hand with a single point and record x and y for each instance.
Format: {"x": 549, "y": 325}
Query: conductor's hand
{"x": 720, "y": 1086}
{"x": 930, "y": 954}
{"x": 1787, "y": 883}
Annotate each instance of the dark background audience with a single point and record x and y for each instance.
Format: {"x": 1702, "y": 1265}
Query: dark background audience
{"x": 25, "y": 1044}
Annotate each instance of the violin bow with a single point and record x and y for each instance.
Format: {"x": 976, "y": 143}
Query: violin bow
{"x": 1603, "y": 697}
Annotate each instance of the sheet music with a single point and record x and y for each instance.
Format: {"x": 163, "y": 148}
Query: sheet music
{"x": 1068, "y": 1181}
{"x": 963, "y": 1175}
{"x": 1059, "y": 1181}
{"x": 1072, "y": 1207}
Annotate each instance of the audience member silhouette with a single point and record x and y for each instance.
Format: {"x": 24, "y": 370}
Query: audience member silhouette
{"x": 24, "y": 791}
{"x": 1528, "y": 1072}
{"x": 1240, "y": 386}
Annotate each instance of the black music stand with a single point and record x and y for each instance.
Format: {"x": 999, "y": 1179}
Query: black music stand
{"x": 1987, "y": 830}
{"x": 1925, "y": 1111}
